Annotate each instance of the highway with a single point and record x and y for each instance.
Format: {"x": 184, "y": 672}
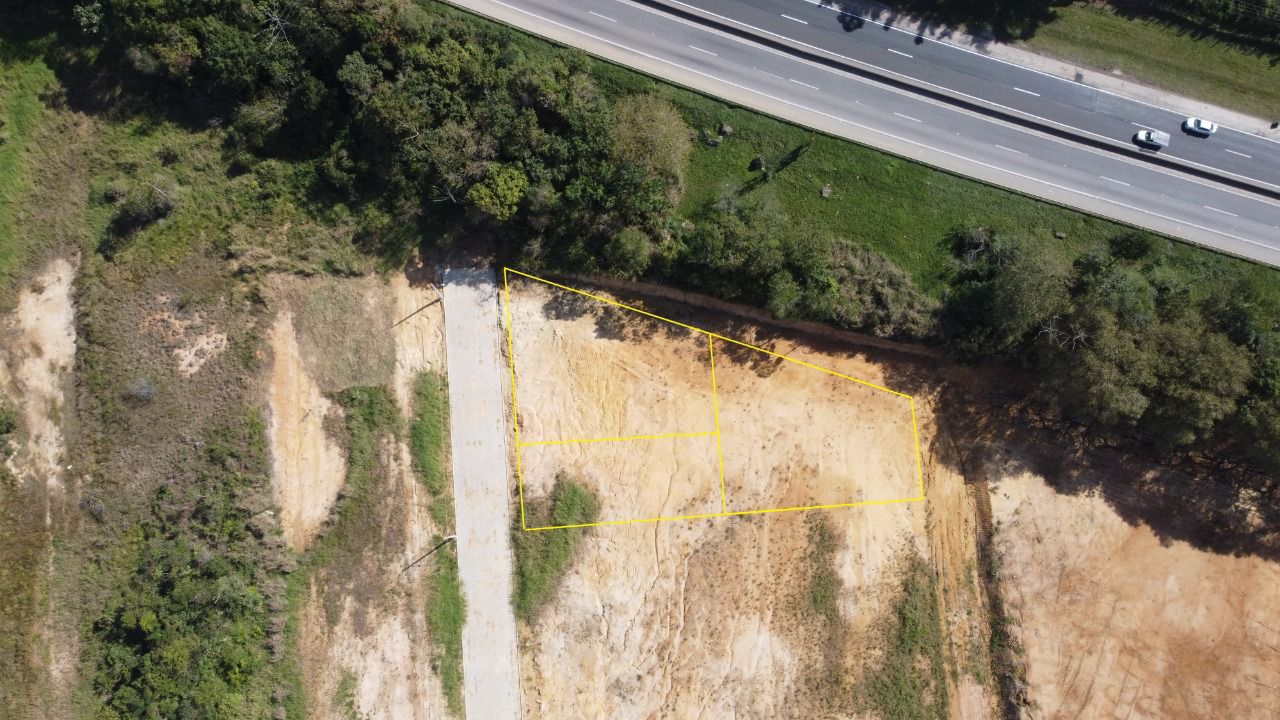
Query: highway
{"x": 850, "y": 31}
{"x": 898, "y": 121}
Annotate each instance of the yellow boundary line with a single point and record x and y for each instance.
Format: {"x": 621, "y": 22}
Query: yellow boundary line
{"x": 732, "y": 513}
{"x": 711, "y": 337}
{"x": 706, "y": 332}
{"x": 715, "y": 406}
{"x": 620, "y": 439}
{"x": 515, "y": 404}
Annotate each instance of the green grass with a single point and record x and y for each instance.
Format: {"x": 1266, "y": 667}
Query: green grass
{"x": 900, "y": 208}
{"x": 344, "y": 698}
{"x": 1158, "y": 54}
{"x": 542, "y": 557}
{"x": 21, "y": 114}
{"x": 446, "y": 611}
{"x": 825, "y": 584}
{"x": 910, "y": 683}
{"x": 427, "y": 431}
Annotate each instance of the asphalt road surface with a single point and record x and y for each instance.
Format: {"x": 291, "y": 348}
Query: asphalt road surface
{"x": 907, "y": 124}
{"x": 478, "y": 437}
{"x": 849, "y": 30}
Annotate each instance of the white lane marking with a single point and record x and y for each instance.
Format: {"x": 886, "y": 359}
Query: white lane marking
{"x": 1011, "y": 150}
{"x": 899, "y": 138}
{"x": 802, "y": 22}
{"x": 815, "y": 87}
{"x": 906, "y": 116}
{"x": 1144, "y": 127}
{"x": 1100, "y": 153}
{"x": 1224, "y": 212}
{"x": 826, "y": 4}
{"x": 764, "y": 72}
{"x": 606, "y": 17}
{"x": 695, "y": 47}
{"x": 975, "y": 98}
{"x": 1026, "y": 91}
{"x": 1118, "y": 182}
{"x": 1233, "y": 152}
{"x": 899, "y": 52}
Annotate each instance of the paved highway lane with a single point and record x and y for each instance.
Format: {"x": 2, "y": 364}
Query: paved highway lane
{"x": 848, "y": 30}
{"x": 901, "y": 122}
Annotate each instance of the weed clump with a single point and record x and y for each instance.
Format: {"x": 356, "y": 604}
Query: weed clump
{"x": 427, "y": 432}
{"x": 910, "y": 683}
{"x": 542, "y": 557}
{"x": 446, "y": 611}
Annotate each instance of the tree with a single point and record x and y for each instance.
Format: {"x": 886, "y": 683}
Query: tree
{"x": 649, "y": 131}
{"x": 629, "y": 251}
{"x": 500, "y": 192}
{"x": 784, "y": 294}
{"x": 358, "y": 77}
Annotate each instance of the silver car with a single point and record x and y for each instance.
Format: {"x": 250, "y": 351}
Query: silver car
{"x": 1152, "y": 138}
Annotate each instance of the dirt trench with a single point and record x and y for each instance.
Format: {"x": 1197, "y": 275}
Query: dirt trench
{"x": 37, "y": 355}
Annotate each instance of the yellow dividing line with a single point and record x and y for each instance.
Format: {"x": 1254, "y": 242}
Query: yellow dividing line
{"x": 704, "y": 332}
{"x": 734, "y": 513}
{"x": 620, "y": 439}
{"x": 715, "y": 406}
{"x": 915, "y": 433}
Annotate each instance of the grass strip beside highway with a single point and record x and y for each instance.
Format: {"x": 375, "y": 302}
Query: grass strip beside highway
{"x": 1156, "y": 53}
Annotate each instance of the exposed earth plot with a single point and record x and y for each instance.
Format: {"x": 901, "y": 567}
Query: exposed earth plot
{"x": 670, "y": 421}
{"x": 707, "y": 617}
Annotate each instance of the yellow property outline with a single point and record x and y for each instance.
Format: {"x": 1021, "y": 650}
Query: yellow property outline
{"x": 711, "y": 337}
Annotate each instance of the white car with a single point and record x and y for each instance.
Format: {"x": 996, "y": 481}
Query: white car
{"x": 1196, "y": 126}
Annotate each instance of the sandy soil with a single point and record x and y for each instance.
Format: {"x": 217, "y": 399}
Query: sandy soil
{"x": 307, "y": 468}
{"x": 706, "y": 618}
{"x": 793, "y": 436}
{"x": 368, "y": 621}
{"x": 190, "y": 349}
{"x": 1116, "y": 624}
{"x": 790, "y": 435}
{"x": 37, "y": 364}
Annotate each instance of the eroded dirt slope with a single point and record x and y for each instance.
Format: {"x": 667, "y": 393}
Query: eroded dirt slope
{"x": 362, "y": 639}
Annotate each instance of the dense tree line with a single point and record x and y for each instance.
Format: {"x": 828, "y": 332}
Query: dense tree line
{"x": 426, "y": 116}
{"x": 1126, "y": 341}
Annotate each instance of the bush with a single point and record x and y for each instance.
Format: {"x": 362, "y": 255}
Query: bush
{"x": 543, "y": 556}
{"x": 649, "y": 132}
{"x": 8, "y": 419}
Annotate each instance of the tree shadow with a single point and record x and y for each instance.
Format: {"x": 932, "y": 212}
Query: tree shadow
{"x": 1001, "y": 20}
{"x": 999, "y": 426}
{"x": 1252, "y": 37}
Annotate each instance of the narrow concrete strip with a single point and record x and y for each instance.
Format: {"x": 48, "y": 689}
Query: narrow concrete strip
{"x": 490, "y": 663}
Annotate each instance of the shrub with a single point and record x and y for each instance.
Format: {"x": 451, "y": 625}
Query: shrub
{"x": 543, "y": 556}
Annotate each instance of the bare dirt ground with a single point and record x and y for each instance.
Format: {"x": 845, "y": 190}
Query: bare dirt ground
{"x": 1117, "y": 623}
{"x": 191, "y": 348}
{"x": 307, "y": 466}
{"x": 37, "y": 362}
{"x": 711, "y": 618}
{"x": 790, "y": 435}
{"x": 363, "y": 621}
{"x": 36, "y": 359}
